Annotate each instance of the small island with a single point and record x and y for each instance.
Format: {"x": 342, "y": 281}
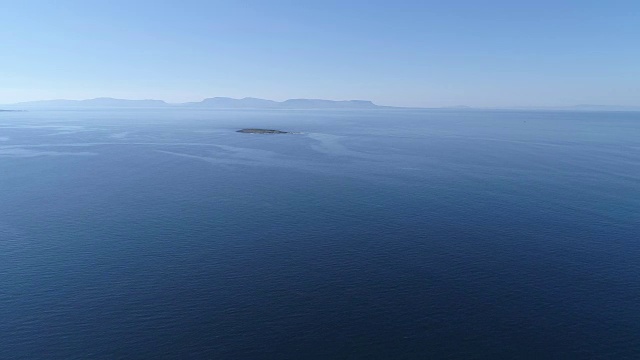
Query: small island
{"x": 262, "y": 131}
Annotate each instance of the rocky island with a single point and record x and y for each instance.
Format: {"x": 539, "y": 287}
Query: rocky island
{"x": 262, "y": 131}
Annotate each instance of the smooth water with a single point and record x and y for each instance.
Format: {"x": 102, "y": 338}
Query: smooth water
{"x": 147, "y": 234}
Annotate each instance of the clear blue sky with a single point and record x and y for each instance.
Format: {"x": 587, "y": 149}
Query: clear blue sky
{"x": 416, "y": 53}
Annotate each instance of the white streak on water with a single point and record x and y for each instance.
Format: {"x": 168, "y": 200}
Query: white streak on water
{"x": 231, "y": 155}
{"x": 331, "y": 145}
{"x": 120, "y": 135}
{"x": 24, "y": 153}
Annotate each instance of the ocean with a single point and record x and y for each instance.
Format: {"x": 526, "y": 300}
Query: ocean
{"x": 378, "y": 234}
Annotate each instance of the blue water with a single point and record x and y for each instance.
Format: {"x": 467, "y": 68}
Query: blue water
{"x": 147, "y": 234}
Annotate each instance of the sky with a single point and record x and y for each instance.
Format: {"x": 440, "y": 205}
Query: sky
{"x": 403, "y": 53}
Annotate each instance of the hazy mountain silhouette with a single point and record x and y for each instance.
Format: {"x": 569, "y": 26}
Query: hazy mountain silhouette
{"x": 231, "y": 103}
{"x": 255, "y": 103}
{"x": 321, "y": 104}
{"x": 213, "y": 103}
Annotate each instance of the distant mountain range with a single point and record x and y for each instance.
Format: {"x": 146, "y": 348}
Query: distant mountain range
{"x": 213, "y": 103}
{"x": 255, "y": 103}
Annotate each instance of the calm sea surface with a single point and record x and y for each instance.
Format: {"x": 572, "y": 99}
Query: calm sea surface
{"x": 148, "y": 234}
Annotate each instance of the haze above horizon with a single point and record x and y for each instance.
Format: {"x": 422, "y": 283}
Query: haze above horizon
{"x": 411, "y": 53}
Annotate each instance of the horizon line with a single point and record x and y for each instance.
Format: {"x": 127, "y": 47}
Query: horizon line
{"x": 366, "y": 104}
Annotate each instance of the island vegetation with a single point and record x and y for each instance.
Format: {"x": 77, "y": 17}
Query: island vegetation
{"x": 262, "y": 131}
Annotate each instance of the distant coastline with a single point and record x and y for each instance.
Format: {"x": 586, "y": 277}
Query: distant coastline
{"x": 250, "y": 103}
{"x": 209, "y": 103}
